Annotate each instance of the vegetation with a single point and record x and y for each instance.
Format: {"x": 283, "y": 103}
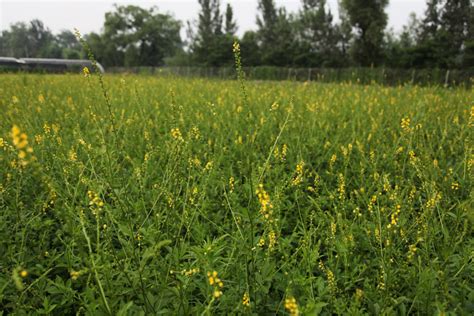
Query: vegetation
{"x": 180, "y": 196}
{"x": 311, "y": 37}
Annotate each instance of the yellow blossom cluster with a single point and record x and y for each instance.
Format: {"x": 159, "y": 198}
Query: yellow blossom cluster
{"x": 176, "y": 134}
{"x": 330, "y": 277}
{"x": 231, "y": 184}
{"x": 373, "y": 201}
{"x": 346, "y": 151}
{"x": 298, "y": 177}
{"x": 266, "y": 207}
{"x": 95, "y": 202}
{"x": 246, "y": 299}
{"x": 411, "y": 252}
{"x": 331, "y": 280}
{"x": 412, "y": 157}
{"x": 291, "y": 306}
{"x": 236, "y": 47}
{"x": 20, "y": 143}
{"x": 341, "y": 188}
{"x": 333, "y": 229}
{"x": 281, "y": 154}
{"x": 405, "y": 125}
{"x": 274, "y": 106}
{"x": 332, "y": 161}
{"x": 186, "y": 272}
{"x": 195, "y": 133}
{"x": 74, "y": 275}
{"x": 216, "y": 283}
{"x": 272, "y": 239}
{"x": 433, "y": 201}
{"x": 394, "y": 217}
{"x": 86, "y": 72}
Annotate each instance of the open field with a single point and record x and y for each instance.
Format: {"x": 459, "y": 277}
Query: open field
{"x": 189, "y": 196}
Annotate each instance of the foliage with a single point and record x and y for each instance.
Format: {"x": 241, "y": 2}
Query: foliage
{"x": 133, "y": 36}
{"x": 137, "y": 37}
{"x": 318, "y": 38}
{"x": 275, "y": 35}
{"x": 211, "y": 45}
{"x": 36, "y": 40}
{"x": 369, "y": 19}
{"x": 175, "y": 196}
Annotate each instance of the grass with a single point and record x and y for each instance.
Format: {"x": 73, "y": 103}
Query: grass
{"x": 188, "y": 196}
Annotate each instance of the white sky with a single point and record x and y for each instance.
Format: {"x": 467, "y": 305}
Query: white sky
{"x": 88, "y": 15}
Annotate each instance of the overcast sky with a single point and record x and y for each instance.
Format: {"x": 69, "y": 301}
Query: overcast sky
{"x": 88, "y": 15}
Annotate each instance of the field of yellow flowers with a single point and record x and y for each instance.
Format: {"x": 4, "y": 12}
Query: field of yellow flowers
{"x": 186, "y": 196}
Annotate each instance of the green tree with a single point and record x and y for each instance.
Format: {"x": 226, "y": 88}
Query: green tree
{"x": 401, "y": 49}
{"x": 344, "y": 33}
{"x": 453, "y": 32}
{"x": 317, "y": 35}
{"x": 426, "y": 52}
{"x": 137, "y": 37}
{"x": 276, "y": 35}
{"x": 212, "y": 45}
{"x": 468, "y": 53}
{"x": 29, "y": 40}
{"x": 444, "y": 37}
{"x": 250, "y": 49}
{"x": 230, "y": 24}
{"x": 431, "y": 22}
{"x": 69, "y": 45}
{"x": 369, "y": 19}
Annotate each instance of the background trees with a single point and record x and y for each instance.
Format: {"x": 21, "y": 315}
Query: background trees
{"x": 369, "y": 19}
{"x": 318, "y": 36}
{"x": 29, "y": 40}
{"x": 134, "y": 36}
{"x": 312, "y": 37}
{"x": 212, "y": 44}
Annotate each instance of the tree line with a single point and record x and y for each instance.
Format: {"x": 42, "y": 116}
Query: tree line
{"x": 311, "y": 37}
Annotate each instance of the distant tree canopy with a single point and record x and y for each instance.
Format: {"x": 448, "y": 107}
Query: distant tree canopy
{"x": 133, "y": 36}
{"x": 212, "y": 43}
{"x": 34, "y": 39}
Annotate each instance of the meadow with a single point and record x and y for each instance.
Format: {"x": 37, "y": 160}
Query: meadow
{"x": 177, "y": 196}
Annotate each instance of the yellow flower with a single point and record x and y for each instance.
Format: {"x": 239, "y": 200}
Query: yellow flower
{"x": 291, "y": 306}
{"x": 74, "y": 275}
{"x": 217, "y": 293}
{"x": 41, "y": 98}
{"x": 405, "y": 125}
{"x": 176, "y": 134}
{"x": 21, "y": 154}
{"x": 266, "y": 207}
{"x": 86, "y": 72}
{"x": 298, "y": 177}
{"x": 23, "y": 273}
{"x": 246, "y": 299}
{"x": 236, "y": 47}
{"x": 272, "y": 239}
